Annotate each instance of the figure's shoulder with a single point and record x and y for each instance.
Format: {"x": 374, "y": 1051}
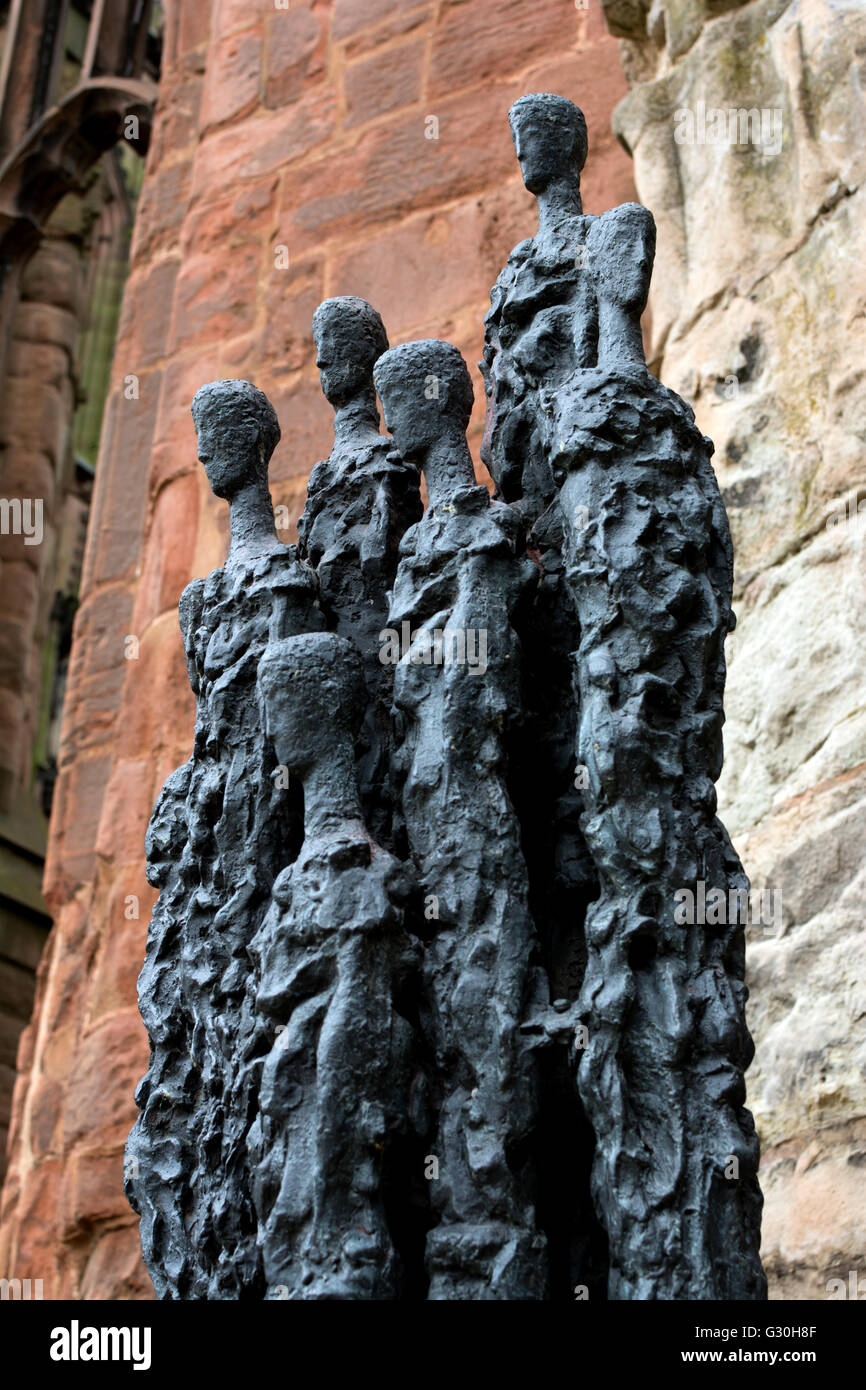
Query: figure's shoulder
{"x": 518, "y": 257}
{"x": 318, "y": 476}
{"x": 194, "y": 592}
{"x": 521, "y": 252}
{"x": 190, "y": 603}
{"x": 282, "y": 568}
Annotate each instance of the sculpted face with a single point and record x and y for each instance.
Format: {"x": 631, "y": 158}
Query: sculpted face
{"x": 230, "y": 456}
{"x": 546, "y": 143}
{"x": 414, "y": 421}
{"x": 426, "y": 395}
{"x": 314, "y": 697}
{"x": 341, "y": 373}
{"x": 237, "y": 433}
{"x": 621, "y": 245}
{"x": 349, "y": 336}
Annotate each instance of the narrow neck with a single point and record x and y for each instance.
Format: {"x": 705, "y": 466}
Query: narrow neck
{"x": 559, "y": 201}
{"x": 448, "y": 467}
{"x": 331, "y": 792}
{"x": 619, "y": 335}
{"x": 251, "y": 515}
{"x": 359, "y": 416}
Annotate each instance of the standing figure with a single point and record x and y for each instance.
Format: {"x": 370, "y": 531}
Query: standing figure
{"x": 360, "y": 500}
{"x": 331, "y": 1050}
{"x": 461, "y": 578}
{"x": 226, "y": 824}
{"x": 650, "y": 568}
{"x": 542, "y": 325}
{"x": 542, "y": 321}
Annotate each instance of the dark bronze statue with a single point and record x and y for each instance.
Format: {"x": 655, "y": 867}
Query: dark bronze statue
{"x": 360, "y": 501}
{"x": 424, "y": 1021}
{"x": 461, "y": 576}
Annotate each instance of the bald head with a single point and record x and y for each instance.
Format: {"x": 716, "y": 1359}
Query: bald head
{"x": 550, "y": 139}
{"x": 314, "y": 697}
{"x": 237, "y": 430}
{"x": 426, "y": 392}
{"x": 349, "y": 336}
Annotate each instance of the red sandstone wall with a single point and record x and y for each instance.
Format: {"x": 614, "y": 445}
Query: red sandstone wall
{"x": 304, "y": 129}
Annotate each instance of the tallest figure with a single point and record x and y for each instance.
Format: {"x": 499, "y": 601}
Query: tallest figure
{"x": 542, "y": 327}
{"x": 542, "y": 321}
{"x": 628, "y": 527}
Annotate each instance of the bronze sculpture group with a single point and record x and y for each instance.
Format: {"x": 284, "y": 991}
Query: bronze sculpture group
{"x": 422, "y": 1023}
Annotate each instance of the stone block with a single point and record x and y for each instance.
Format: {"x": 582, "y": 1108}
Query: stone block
{"x": 229, "y": 15}
{"x": 351, "y": 16}
{"x": 34, "y": 419}
{"x": 292, "y": 297}
{"x": 226, "y": 218}
{"x": 73, "y": 832}
{"x": 256, "y": 147}
{"x": 383, "y": 82}
{"x": 96, "y": 670}
{"x": 111, "y": 1057}
{"x": 45, "y": 362}
{"x": 174, "y": 434}
{"x": 483, "y": 40}
{"x": 114, "y": 1267}
{"x": 161, "y": 666}
{"x": 425, "y": 270}
{"x": 295, "y": 55}
{"x": 307, "y": 423}
{"x": 175, "y": 126}
{"x": 124, "y": 938}
{"x": 168, "y": 550}
{"x": 212, "y": 304}
{"x": 395, "y": 168}
{"x": 161, "y": 210}
{"x": 92, "y": 1191}
{"x": 232, "y": 78}
{"x": 126, "y": 809}
{"x": 44, "y": 323}
{"x": 114, "y": 536}
{"x": 194, "y": 25}
{"x": 53, "y": 275}
{"x": 36, "y": 1225}
{"x": 143, "y": 330}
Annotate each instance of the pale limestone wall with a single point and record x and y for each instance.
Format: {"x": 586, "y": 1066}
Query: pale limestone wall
{"x": 761, "y": 276}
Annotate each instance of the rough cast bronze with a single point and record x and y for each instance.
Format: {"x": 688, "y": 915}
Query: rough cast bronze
{"x": 424, "y": 1023}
